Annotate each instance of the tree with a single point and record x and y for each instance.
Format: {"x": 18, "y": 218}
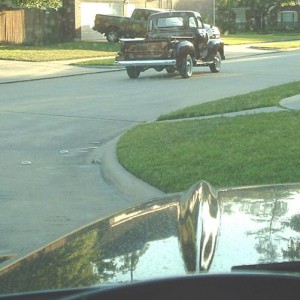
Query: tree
{"x": 41, "y": 4}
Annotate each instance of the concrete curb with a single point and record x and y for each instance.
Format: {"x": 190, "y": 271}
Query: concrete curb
{"x": 123, "y": 181}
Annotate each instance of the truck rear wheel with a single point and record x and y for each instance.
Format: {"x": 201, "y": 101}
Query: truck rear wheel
{"x": 215, "y": 67}
{"x": 186, "y": 67}
{"x": 112, "y": 35}
{"x": 133, "y": 72}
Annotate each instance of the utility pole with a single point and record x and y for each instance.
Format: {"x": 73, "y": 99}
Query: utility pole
{"x": 214, "y": 11}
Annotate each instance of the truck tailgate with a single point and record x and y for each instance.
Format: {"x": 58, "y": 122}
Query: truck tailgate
{"x": 133, "y": 49}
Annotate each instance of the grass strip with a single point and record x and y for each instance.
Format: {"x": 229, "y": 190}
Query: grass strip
{"x": 278, "y": 45}
{"x": 61, "y": 51}
{"x": 262, "y": 98}
{"x": 244, "y": 150}
{"x": 254, "y": 38}
{"x": 97, "y": 62}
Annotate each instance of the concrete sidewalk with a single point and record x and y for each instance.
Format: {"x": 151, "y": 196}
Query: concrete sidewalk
{"x": 20, "y": 71}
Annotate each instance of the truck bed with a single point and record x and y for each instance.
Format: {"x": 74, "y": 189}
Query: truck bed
{"x": 134, "y": 49}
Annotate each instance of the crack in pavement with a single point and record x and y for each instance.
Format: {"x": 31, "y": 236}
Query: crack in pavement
{"x": 71, "y": 116}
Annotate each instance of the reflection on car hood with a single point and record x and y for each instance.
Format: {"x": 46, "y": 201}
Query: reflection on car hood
{"x": 202, "y": 230}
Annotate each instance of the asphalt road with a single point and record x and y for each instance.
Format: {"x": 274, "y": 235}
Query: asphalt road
{"x": 53, "y": 130}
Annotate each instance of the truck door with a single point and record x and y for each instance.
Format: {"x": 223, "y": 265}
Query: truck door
{"x": 202, "y": 39}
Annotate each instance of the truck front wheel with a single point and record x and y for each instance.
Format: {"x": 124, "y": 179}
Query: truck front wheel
{"x": 186, "y": 67}
{"x": 112, "y": 35}
{"x": 215, "y": 67}
{"x": 133, "y": 72}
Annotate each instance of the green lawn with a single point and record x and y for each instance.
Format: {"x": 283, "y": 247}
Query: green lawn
{"x": 244, "y": 150}
{"x": 254, "y": 38}
{"x": 278, "y": 45}
{"x": 62, "y": 51}
{"x": 262, "y": 98}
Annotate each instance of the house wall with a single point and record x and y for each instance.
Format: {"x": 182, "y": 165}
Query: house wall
{"x": 71, "y": 17}
{"x": 278, "y": 18}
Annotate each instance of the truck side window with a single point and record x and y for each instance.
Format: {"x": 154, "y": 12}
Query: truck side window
{"x": 150, "y": 25}
{"x": 192, "y": 22}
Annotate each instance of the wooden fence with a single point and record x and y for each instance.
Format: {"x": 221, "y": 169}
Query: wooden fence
{"x": 30, "y": 27}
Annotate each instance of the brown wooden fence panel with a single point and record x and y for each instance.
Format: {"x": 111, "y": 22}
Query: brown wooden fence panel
{"x": 2, "y": 26}
{"x": 30, "y": 26}
{"x": 12, "y": 27}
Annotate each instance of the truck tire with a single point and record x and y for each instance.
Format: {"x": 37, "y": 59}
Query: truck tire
{"x": 215, "y": 67}
{"x": 186, "y": 67}
{"x": 133, "y": 72}
{"x": 112, "y": 35}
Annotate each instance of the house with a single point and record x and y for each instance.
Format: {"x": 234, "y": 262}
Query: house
{"x": 275, "y": 18}
{"x": 287, "y": 18}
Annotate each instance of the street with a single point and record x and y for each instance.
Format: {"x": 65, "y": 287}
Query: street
{"x": 52, "y": 132}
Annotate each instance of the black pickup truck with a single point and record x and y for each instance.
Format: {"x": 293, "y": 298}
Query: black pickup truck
{"x": 175, "y": 41}
{"x": 115, "y": 27}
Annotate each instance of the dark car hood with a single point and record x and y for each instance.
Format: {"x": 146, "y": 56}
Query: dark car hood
{"x": 202, "y": 230}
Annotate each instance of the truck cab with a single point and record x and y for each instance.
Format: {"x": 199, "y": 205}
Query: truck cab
{"x": 186, "y": 25}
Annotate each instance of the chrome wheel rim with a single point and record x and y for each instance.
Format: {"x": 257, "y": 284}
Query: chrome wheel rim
{"x": 189, "y": 67}
{"x": 217, "y": 62}
{"x": 112, "y": 36}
